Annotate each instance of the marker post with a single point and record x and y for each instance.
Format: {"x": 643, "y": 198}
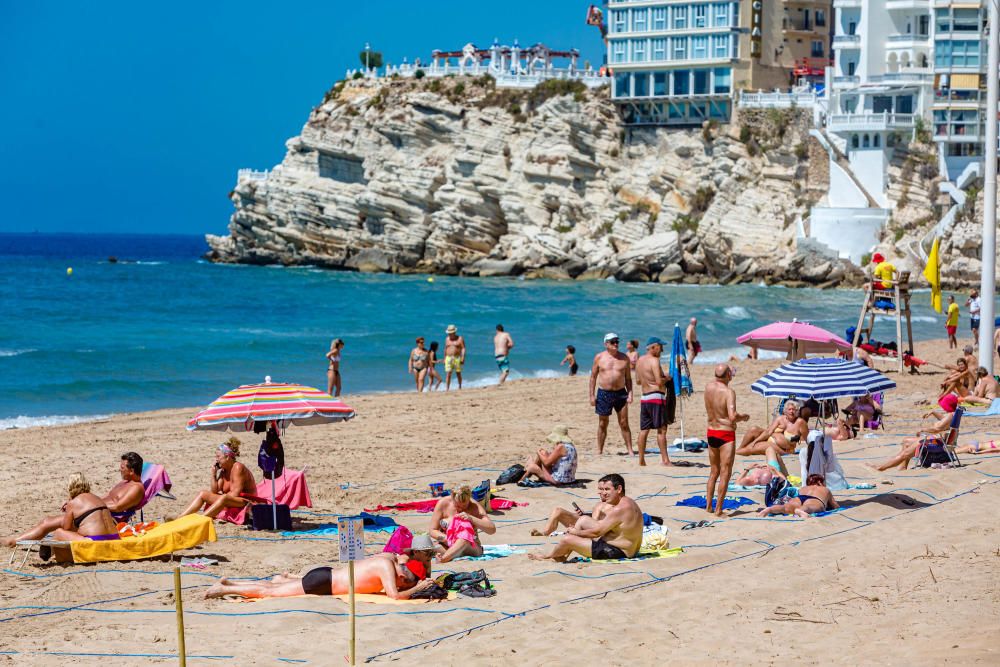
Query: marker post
{"x": 351, "y": 530}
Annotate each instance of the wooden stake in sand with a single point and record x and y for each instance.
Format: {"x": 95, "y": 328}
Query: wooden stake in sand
{"x": 351, "y": 530}
{"x": 179, "y": 604}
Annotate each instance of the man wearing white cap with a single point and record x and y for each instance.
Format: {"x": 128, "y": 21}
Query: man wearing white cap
{"x": 454, "y": 356}
{"x": 611, "y": 389}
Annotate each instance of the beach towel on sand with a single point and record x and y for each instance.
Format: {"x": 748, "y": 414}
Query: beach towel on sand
{"x": 183, "y": 533}
{"x": 642, "y": 555}
{"x": 991, "y": 411}
{"x": 730, "y": 503}
{"x": 377, "y": 524}
{"x": 289, "y": 489}
{"x": 370, "y": 598}
{"x": 494, "y": 551}
{"x": 429, "y": 504}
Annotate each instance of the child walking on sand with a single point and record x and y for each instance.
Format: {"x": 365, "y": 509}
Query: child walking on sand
{"x": 570, "y": 359}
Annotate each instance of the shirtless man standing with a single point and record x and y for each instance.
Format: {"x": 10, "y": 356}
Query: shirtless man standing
{"x": 398, "y": 577}
{"x": 611, "y": 389}
{"x": 612, "y": 531}
{"x": 691, "y": 338}
{"x": 720, "y": 405}
{"x": 454, "y": 356}
{"x": 658, "y": 400}
{"x": 502, "y": 344}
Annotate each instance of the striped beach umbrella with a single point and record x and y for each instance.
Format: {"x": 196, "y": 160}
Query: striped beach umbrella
{"x": 239, "y": 409}
{"x": 822, "y": 378}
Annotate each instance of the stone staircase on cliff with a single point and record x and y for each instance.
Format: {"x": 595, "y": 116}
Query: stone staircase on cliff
{"x": 841, "y": 160}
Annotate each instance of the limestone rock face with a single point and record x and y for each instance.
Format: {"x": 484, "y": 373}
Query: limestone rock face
{"x": 417, "y": 176}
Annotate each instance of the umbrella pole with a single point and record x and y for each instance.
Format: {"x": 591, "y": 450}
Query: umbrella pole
{"x": 681, "y": 401}
{"x": 274, "y": 506}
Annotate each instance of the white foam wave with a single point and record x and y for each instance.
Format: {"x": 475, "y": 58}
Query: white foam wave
{"x": 924, "y": 318}
{"x": 736, "y": 312}
{"x": 494, "y": 378}
{"x": 48, "y": 420}
{"x": 148, "y": 263}
{"x": 718, "y": 356}
{"x": 14, "y": 353}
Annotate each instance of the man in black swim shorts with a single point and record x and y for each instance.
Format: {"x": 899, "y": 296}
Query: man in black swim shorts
{"x": 611, "y": 390}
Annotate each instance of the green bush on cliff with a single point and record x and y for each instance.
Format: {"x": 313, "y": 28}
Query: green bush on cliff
{"x": 546, "y": 90}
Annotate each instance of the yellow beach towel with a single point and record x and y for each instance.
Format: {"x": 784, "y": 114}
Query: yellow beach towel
{"x": 382, "y": 598}
{"x": 183, "y": 533}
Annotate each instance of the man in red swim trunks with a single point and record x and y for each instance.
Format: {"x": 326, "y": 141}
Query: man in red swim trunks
{"x": 720, "y": 405}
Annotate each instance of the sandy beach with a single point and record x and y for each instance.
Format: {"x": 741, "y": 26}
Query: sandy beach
{"x": 906, "y": 574}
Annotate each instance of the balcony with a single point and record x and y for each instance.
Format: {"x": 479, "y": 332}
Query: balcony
{"x": 870, "y": 122}
{"x": 847, "y": 41}
{"x": 899, "y": 5}
{"x": 847, "y": 4}
{"x": 846, "y": 81}
{"x": 910, "y": 76}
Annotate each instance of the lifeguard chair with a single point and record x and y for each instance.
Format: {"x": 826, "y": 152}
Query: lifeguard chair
{"x": 894, "y": 302}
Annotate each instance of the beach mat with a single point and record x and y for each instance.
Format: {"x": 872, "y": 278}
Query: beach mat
{"x": 494, "y": 551}
{"x": 381, "y": 598}
{"x": 730, "y": 503}
{"x": 372, "y": 523}
{"x": 429, "y": 504}
{"x": 642, "y": 555}
{"x": 183, "y": 533}
{"x": 992, "y": 411}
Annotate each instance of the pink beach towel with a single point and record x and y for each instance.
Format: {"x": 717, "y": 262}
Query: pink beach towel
{"x": 289, "y": 489}
{"x": 429, "y": 504}
{"x": 460, "y": 529}
{"x": 154, "y": 480}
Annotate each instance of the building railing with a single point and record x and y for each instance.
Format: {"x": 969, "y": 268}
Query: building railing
{"x": 908, "y": 38}
{"x": 870, "y": 121}
{"x": 507, "y": 78}
{"x": 252, "y": 175}
{"x": 846, "y": 4}
{"x": 847, "y": 79}
{"x": 776, "y": 99}
{"x": 846, "y": 39}
{"x": 907, "y": 77}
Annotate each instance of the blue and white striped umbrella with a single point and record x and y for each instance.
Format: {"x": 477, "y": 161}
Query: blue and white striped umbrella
{"x": 822, "y": 378}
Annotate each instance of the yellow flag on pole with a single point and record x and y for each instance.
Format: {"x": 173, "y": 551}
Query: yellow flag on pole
{"x": 932, "y": 272}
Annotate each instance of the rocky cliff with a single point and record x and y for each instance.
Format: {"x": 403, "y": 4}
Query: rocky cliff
{"x": 452, "y": 176}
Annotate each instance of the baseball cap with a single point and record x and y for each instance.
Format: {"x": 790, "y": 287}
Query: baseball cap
{"x": 417, "y": 568}
{"x": 610, "y": 337}
{"x": 653, "y": 340}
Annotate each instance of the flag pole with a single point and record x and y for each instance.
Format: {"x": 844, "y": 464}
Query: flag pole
{"x": 987, "y": 292}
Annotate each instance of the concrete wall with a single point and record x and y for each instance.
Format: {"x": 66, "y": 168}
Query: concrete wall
{"x": 843, "y": 191}
{"x": 870, "y": 166}
{"x": 852, "y": 232}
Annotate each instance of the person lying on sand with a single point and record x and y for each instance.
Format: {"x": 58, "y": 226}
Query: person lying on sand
{"x": 784, "y": 433}
{"x": 985, "y": 391}
{"x": 398, "y": 577}
{"x": 123, "y": 497}
{"x": 991, "y": 447}
{"x": 85, "y": 516}
{"x": 908, "y": 448}
{"x": 760, "y": 474}
{"x": 614, "y": 529}
{"x": 456, "y": 523}
{"x": 230, "y": 479}
{"x": 813, "y": 497}
{"x": 558, "y": 465}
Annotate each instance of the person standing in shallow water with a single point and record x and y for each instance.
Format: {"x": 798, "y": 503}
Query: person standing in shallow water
{"x": 691, "y": 338}
{"x": 502, "y": 345}
{"x": 570, "y": 359}
{"x": 333, "y": 382}
{"x": 454, "y": 356}
{"x": 417, "y": 363}
{"x": 433, "y": 377}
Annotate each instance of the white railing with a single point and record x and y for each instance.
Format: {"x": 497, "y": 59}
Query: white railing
{"x": 847, "y": 79}
{"x": 846, "y": 39}
{"x": 917, "y": 76}
{"x": 870, "y": 121}
{"x": 505, "y": 78}
{"x": 252, "y": 175}
{"x": 776, "y": 99}
{"x": 909, "y": 38}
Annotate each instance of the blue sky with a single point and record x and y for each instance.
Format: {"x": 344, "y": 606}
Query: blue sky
{"x": 134, "y": 116}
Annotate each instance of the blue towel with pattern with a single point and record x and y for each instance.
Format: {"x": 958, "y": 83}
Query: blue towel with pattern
{"x": 730, "y": 503}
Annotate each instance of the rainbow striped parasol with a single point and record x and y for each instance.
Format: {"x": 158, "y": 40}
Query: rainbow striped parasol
{"x": 237, "y": 410}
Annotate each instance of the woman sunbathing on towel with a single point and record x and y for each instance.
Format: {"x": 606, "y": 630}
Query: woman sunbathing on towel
{"x": 85, "y": 516}
{"x": 230, "y": 478}
{"x": 813, "y": 497}
{"x": 456, "y": 523}
{"x": 398, "y": 577}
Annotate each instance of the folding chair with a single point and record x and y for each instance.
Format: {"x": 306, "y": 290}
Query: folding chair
{"x": 155, "y": 483}
{"x": 948, "y": 442}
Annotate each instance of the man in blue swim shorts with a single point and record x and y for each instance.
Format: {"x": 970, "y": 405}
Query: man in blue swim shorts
{"x": 502, "y": 344}
{"x": 611, "y": 389}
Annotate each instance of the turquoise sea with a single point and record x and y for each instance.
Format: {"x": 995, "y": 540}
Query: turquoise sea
{"x": 163, "y": 328}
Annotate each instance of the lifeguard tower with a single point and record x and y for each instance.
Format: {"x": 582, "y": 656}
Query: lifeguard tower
{"x": 892, "y": 302}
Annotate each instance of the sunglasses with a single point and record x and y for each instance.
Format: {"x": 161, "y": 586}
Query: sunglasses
{"x": 613, "y": 341}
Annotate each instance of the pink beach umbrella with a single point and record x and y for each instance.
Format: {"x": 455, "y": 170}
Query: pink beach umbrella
{"x": 796, "y": 338}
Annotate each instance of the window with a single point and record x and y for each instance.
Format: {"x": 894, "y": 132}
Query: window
{"x": 640, "y": 84}
{"x": 820, "y": 18}
{"x": 618, "y": 51}
{"x": 852, "y": 28}
{"x": 721, "y": 15}
{"x": 700, "y": 16}
{"x": 639, "y": 20}
{"x": 622, "y": 85}
{"x": 881, "y": 104}
{"x": 700, "y": 82}
{"x": 851, "y": 67}
{"x": 723, "y": 78}
{"x": 866, "y": 141}
{"x": 943, "y": 20}
{"x": 904, "y": 104}
{"x": 680, "y": 17}
{"x": 618, "y": 20}
{"x": 638, "y": 50}
{"x": 680, "y": 48}
{"x": 682, "y": 83}
{"x": 699, "y": 47}
{"x": 659, "y": 84}
{"x": 817, "y": 49}
{"x": 854, "y": 141}
{"x": 659, "y": 49}
{"x": 720, "y": 46}
{"x": 966, "y": 20}
{"x": 956, "y": 53}
{"x": 876, "y": 141}
{"x": 659, "y": 18}
{"x": 924, "y": 27}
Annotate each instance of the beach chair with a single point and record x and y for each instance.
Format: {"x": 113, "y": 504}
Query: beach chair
{"x": 155, "y": 482}
{"x": 948, "y": 442}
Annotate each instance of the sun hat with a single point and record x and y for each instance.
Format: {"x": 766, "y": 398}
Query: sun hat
{"x": 560, "y": 433}
{"x": 422, "y": 543}
{"x": 610, "y": 336}
{"x": 451, "y": 329}
{"x": 653, "y": 340}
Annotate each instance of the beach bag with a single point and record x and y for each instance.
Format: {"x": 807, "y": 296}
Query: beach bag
{"x": 457, "y": 580}
{"x": 931, "y": 454}
{"x": 400, "y": 541}
{"x": 511, "y": 474}
{"x": 432, "y": 592}
{"x": 775, "y": 491}
{"x": 271, "y": 459}
{"x": 480, "y": 492}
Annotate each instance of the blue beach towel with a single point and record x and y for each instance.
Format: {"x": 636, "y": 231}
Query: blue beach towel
{"x": 991, "y": 411}
{"x": 373, "y": 522}
{"x": 730, "y": 503}
{"x": 494, "y": 551}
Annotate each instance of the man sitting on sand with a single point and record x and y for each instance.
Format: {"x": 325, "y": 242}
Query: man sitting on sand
{"x": 784, "y": 433}
{"x": 813, "y": 497}
{"x": 908, "y": 448}
{"x": 456, "y": 523}
{"x": 399, "y": 577}
{"x": 558, "y": 465}
{"x": 985, "y": 391}
{"x": 230, "y": 479}
{"x": 123, "y": 497}
{"x": 612, "y": 531}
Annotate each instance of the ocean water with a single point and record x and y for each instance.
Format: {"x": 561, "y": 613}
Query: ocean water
{"x": 163, "y": 328}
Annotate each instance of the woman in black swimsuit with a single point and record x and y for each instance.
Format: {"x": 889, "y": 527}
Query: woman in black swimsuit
{"x": 813, "y": 497}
